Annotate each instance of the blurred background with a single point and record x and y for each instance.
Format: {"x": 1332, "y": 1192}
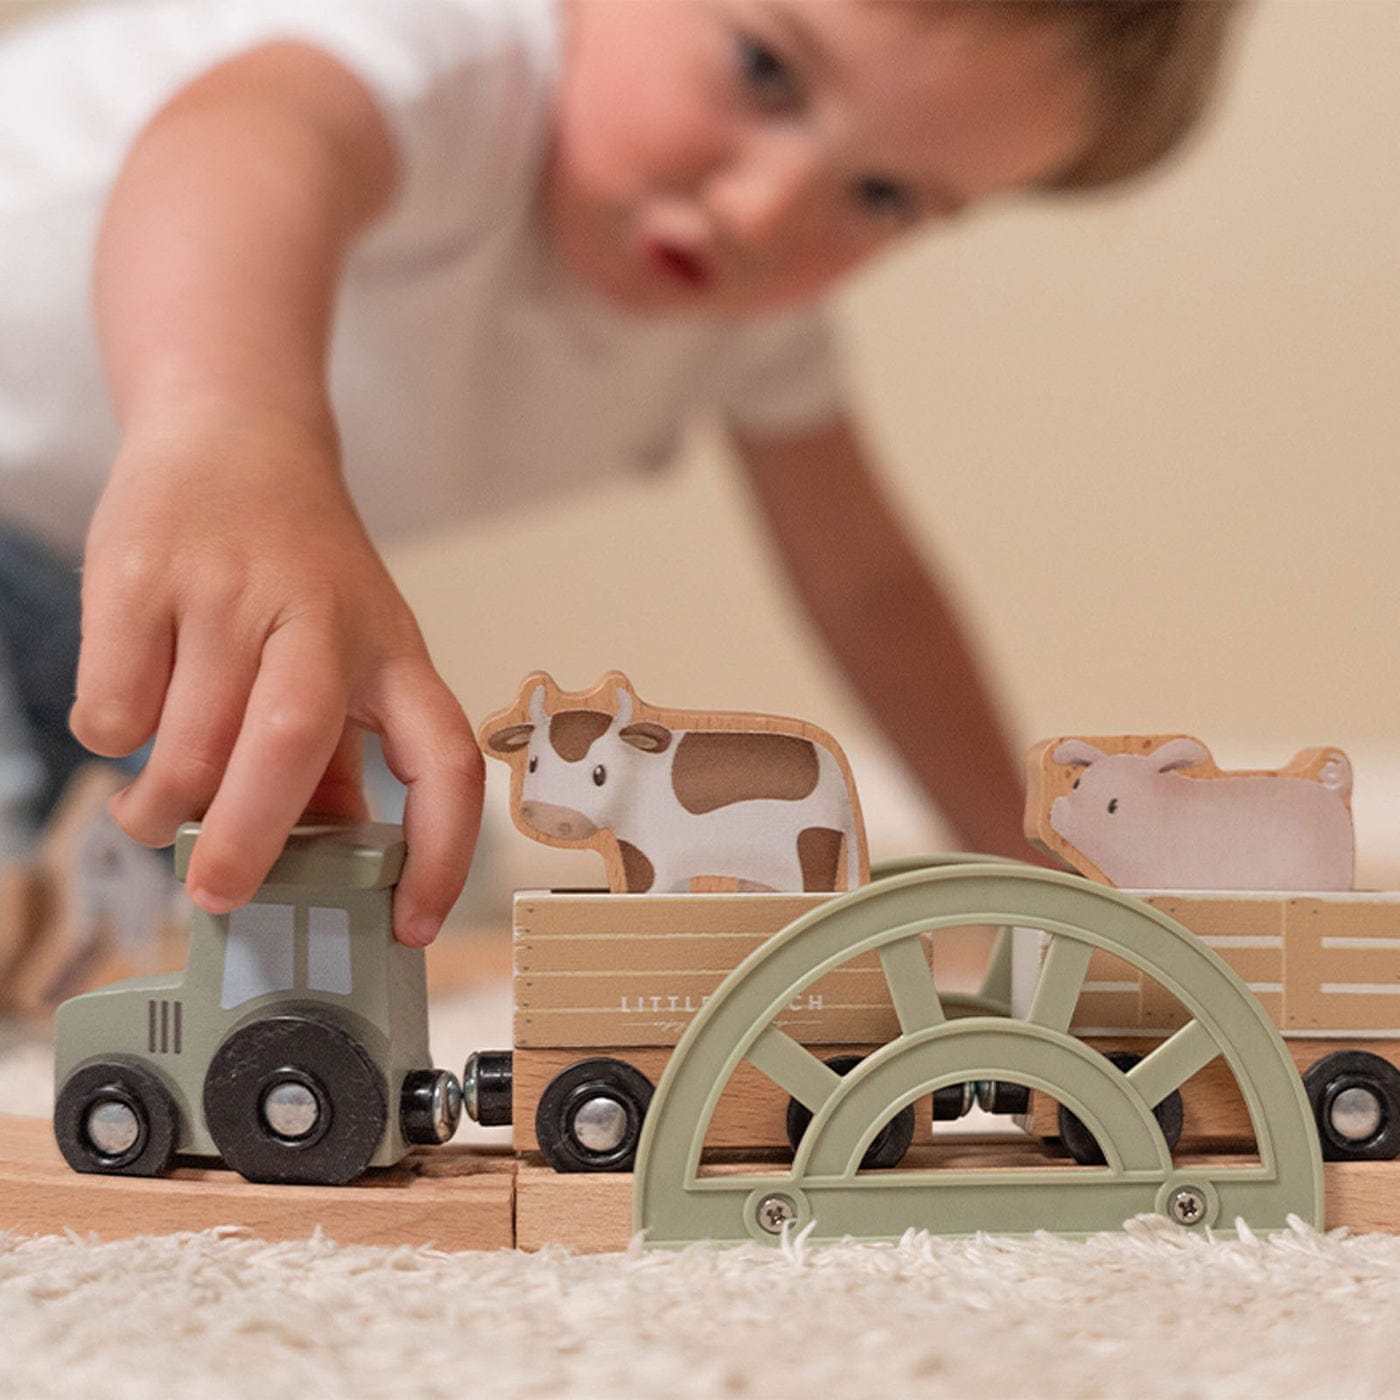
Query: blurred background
{"x": 1150, "y": 439}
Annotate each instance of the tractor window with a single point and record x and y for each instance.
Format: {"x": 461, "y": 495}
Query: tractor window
{"x": 328, "y": 950}
{"x": 259, "y": 954}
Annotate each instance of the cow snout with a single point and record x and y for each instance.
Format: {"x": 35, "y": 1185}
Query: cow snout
{"x": 563, "y": 823}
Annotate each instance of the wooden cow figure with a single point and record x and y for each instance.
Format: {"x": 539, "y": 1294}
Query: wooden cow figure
{"x": 1154, "y": 812}
{"x": 680, "y": 800}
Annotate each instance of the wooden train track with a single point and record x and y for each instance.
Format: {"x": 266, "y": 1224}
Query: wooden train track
{"x": 458, "y": 1198}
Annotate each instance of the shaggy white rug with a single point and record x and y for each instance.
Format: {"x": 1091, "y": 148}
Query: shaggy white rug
{"x": 1144, "y": 1313}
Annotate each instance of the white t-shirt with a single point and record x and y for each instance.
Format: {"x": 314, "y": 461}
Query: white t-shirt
{"x": 469, "y": 373}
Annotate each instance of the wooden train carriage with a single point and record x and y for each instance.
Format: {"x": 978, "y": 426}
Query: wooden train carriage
{"x": 1326, "y": 967}
{"x": 606, "y": 984}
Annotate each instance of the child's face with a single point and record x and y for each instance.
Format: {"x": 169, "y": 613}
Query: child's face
{"x": 730, "y": 156}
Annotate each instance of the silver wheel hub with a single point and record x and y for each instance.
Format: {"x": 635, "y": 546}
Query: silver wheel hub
{"x": 600, "y": 1124}
{"x": 1355, "y": 1114}
{"x": 112, "y": 1127}
{"x": 291, "y": 1110}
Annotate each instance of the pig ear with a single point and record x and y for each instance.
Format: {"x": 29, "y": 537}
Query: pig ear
{"x": 511, "y": 739}
{"x": 1180, "y": 753}
{"x": 1077, "y": 754}
{"x": 650, "y": 738}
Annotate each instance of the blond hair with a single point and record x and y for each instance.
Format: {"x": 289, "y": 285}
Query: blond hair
{"x": 1155, "y": 64}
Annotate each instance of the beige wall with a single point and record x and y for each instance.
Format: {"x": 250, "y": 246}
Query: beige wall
{"x": 1153, "y": 440}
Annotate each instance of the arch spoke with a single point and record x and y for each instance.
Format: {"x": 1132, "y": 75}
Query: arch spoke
{"x": 1061, "y": 980}
{"x": 910, "y": 980}
{"x": 790, "y": 1067}
{"x": 1173, "y": 1062}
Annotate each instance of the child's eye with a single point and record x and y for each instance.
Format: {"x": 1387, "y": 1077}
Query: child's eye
{"x": 885, "y": 198}
{"x": 766, "y": 75}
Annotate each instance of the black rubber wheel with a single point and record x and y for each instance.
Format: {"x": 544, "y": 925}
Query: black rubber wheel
{"x": 1081, "y": 1143}
{"x": 335, "y": 1088}
{"x": 1002, "y": 1096}
{"x": 143, "y": 1128}
{"x": 430, "y": 1106}
{"x": 1355, "y": 1098}
{"x": 890, "y": 1143}
{"x": 590, "y": 1116}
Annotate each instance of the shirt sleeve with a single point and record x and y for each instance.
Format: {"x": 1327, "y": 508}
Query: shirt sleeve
{"x": 782, "y": 375}
{"x": 464, "y": 87}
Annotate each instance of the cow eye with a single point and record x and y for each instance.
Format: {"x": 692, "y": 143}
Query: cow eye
{"x": 600, "y": 775}
{"x": 1112, "y": 804}
{"x": 533, "y": 763}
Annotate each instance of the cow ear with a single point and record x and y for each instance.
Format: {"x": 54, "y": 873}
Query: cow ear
{"x": 650, "y": 738}
{"x": 511, "y": 739}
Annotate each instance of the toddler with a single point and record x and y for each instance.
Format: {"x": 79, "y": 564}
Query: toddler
{"x": 347, "y": 268}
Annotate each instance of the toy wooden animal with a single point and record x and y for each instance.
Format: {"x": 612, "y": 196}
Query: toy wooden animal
{"x": 92, "y": 906}
{"x": 676, "y": 800}
{"x": 1154, "y": 812}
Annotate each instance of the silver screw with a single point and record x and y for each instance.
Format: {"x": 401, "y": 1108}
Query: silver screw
{"x": 774, "y": 1212}
{"x": 112, "y": 1127}
{"x": 1187, "y": 1206}
{"x": 290, "y": 1109}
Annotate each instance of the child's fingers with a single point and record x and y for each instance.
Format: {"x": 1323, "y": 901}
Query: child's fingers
{"x": 429, "y": 746}
{"x": 124, "y": 666}
{"x": 293, "y": 724}
{"x": 199, "y": 723}
{"x": 341, "y": 791}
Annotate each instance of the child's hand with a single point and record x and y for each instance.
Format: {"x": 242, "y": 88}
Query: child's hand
{"x": 234, "y": 607}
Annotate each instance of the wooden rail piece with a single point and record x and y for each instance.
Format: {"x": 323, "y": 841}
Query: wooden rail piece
{"x": 459, "y": 1198}
{"x": 592, "y": 1214}
{"x": 452, "y": 1198}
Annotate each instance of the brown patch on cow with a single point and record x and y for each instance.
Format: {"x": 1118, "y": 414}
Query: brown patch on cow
{"x": 572, "y": 732}
{"x": 713, "y": 769}
{"x": 819, "y": 854}
{"x": 638, "y": 873}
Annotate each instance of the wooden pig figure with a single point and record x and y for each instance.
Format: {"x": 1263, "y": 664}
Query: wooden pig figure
{"x": 680, "y": 800}
{"x": 1154, "y": 812}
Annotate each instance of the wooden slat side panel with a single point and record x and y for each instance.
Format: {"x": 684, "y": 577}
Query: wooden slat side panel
{"x": 540, "y": 954}
{"x": 637, "y": 993}
{"x": 592, "y": 912}
{"x": 1108, "y": 1009}
{"x": 1342, "y": 965}
{"x": 827, "y": 1024}
{"x": 1233, "y": 916}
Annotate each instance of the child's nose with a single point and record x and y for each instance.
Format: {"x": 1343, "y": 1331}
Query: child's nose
{"x": 756, "y": 200}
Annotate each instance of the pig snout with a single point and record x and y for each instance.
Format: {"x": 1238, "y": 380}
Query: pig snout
{"x": 564, "y": 823}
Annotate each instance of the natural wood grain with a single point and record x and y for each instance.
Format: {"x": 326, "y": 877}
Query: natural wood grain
{"x": 474, "y": 1198}
{"x": 453, "y": 1198}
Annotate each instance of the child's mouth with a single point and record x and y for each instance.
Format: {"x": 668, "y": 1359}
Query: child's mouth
{"x": 677, "y": 263}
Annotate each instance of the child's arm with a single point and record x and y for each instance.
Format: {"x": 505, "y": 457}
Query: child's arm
{"x": 232, "y": 602}
{"x": 891, "y": 628}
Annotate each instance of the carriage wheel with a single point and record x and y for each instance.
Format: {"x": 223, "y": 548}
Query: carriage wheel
{"x": 674, "y": 1204}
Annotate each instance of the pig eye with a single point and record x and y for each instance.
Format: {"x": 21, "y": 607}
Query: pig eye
{"x": 533, "y": 763}
{"x": 1112, "y": 804}
{"x": 1077, "y": 781}
{"x": 600, "y": 776}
